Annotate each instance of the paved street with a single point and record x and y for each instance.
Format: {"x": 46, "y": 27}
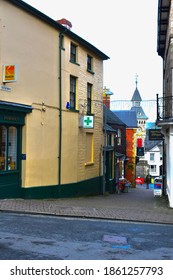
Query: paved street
{"x": 43, "y": 237}
{"x": 108, "y": 228}
{"x": 139, "y": 204}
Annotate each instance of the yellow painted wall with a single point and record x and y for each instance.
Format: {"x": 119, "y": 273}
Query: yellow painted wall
{"x": 73, "y": 152}
{"x": 25, "y": 40}
{"x": 33, "y": 45}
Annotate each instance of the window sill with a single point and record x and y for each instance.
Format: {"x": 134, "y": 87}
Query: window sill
{"x": 9, "y": 171}
{"x": 75, "y": 63}
{"x": 90, "y": 114}
{"x": 73, "y": 110}
{"x": 90, "y": 71}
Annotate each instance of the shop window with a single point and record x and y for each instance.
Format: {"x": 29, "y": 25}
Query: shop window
{"x": 3, "y": 147}
{"x": 12, "y": 148}
{"x": 8, "y": 148}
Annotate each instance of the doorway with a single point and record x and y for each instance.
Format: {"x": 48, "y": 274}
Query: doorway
{"x": 10, "y": 160}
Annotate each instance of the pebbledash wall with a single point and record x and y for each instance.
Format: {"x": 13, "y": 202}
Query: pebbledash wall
{"x": 44, "y": 149}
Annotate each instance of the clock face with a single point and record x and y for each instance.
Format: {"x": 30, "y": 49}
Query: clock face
{"x": 139, "y": 129}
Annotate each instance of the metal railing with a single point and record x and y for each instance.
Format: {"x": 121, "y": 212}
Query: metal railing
{"x": 165, "y": 108}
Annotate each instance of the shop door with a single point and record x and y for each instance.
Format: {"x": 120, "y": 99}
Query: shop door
{"x": 109, "y": 174}
{"x": 10, "y": 161}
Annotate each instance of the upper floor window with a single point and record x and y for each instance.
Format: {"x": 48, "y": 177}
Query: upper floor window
{"x": 110, "y": 139}
{"x": 73, "y": 92}
{"x": 151, "y": 156}
{"x": 89, "y": 97}
{"x": 119, "y": 137}
{"x": 89, "y": 63}
{"x": 73, "y": 53}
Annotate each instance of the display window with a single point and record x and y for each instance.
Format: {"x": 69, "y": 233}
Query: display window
{"x": 8, "y": 148}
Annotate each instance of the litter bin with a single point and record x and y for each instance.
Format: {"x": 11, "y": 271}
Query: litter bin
{"x": 157, "y": 186}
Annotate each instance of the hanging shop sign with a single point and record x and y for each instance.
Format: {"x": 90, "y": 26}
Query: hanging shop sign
{"x": 88, "y": 122}
{"x": 155, "y": 134}
{"x": 10, "y": 73}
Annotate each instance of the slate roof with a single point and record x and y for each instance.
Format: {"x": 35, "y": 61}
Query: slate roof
{"x": 128, "y": 117}
{"x": 136, "y": 95}
{"x": 110, "y": 129}
{"x": 111, "y": 118}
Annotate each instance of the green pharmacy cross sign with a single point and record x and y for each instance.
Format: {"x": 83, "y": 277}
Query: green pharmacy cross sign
{"x": 88, "y": 122}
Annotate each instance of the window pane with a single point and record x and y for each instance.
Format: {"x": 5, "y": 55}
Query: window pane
{"x": 89, "y": 63}
{"x": 12, "y": 148}
{"x": 73, "y": 53}
{"x": 153, "y": 168}
{"x": 152, "y": 156}
{"x": 89, "y": 97}
{"x": 3, "y": 147}
{"x": 119, "y": 137}
{"x": 72, "y": 92}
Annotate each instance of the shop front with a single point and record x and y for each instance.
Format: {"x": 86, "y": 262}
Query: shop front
{"x": 12, "y": 119}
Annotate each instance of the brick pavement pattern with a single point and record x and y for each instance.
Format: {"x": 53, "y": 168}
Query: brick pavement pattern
{"x": 139, "y": 205}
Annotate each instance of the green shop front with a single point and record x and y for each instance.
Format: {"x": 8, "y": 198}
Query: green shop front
{"x": 12, "y": 119}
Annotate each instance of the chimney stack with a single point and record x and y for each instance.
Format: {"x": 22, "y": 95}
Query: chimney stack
{"x": 66, "y": 23}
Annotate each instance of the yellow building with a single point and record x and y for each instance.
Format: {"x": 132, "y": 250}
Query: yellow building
{"x": 51, "y": 109}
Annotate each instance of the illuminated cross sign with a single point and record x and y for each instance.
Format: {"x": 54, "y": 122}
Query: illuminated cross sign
{"x": 88, "y": 122}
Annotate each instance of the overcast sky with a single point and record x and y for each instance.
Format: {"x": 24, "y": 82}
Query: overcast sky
{"x": 126, "y": 31}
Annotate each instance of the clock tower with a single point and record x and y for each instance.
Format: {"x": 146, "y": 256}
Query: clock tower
{"x": 140, "y": 114}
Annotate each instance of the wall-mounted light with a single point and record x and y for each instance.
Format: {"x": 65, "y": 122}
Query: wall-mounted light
{"x": 43, "y": 107}
{"x": 67, "y": 105}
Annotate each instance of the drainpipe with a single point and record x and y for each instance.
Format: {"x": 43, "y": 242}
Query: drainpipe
{"x": 60, "y": 109}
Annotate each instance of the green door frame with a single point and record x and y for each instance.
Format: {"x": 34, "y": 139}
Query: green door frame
{"x": 10, "y": 180}
{"x": 13, "y": 114}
